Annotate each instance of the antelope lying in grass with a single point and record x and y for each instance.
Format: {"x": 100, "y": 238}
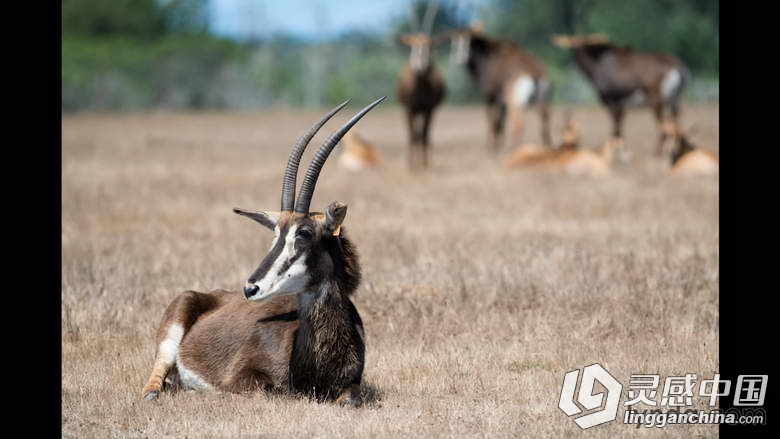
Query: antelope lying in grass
{"x": 421, "y": 87}
{"x": 624, "y": 76}
{"x": 689, "y": 159}
{"x": 298, "y": 331}
{"x": 509, "y": 78}
{"x": 357, "y": 153}
{"x": 567, "y": 158}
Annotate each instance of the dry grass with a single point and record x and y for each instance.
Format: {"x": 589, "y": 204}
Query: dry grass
{"x": 482, "y": 286}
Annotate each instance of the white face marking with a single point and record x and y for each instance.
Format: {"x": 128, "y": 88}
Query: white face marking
{"x": 170, "y": 346}
{"x": 671, "y": 83}
{"x": 293, "y": 280}
{"x": 420, "y": 57}
{"x": 462, "y": 43}
{"x": 190, "y": 380}
{"x": 522, "y": 90}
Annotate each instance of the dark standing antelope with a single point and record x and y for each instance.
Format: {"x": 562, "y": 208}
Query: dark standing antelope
{"x": 421, "y": 87}
{"x": 509, "y": 78}
{"x": 298, "y": 331}
{"x": 623, "y": 76}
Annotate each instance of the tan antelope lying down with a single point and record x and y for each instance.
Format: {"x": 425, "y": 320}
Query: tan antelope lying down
{"x": 295, "y": 328}
{"x": 689, "y": 159}
{"x": 567, "y": 158}
{"x": 358, "y": 154}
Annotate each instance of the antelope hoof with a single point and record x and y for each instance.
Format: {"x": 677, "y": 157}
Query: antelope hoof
{"x": 151, "y": 395}
{"x": 350, "y": 397}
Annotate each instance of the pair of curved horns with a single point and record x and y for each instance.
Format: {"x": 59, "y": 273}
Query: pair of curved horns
{"x": 430, "y": 14}
{"x": 310, "y": 180}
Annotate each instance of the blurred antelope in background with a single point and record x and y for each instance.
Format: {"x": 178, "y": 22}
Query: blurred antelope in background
{"x": 568, "y": 157}
{"x": 624, "y": 76}
{"x": 295, "y": 328}
{"x": 688, "y": 158}
{"x": 509, "y": 78}
{"x": 358, "y": 154}
{"x": 421, "y": 87}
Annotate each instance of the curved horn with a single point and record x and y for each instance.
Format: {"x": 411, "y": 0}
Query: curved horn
{"x": 414, "y": 23}
{"x": 310, "y": 180}
{"x": 291, "y": 172}
{"x": 430, "y": 15}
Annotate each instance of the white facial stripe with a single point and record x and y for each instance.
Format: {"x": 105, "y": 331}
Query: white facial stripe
{"x": 419, "y": 56}
{"x": 462, "y": 44}
{"x": 170, "y": 346}
{"x": 292, "y": 280}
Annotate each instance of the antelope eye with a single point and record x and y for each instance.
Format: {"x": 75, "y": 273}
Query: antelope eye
{"x": 304, "y": 234}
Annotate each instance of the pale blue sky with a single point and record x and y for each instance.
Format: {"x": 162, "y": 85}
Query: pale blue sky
{"x": 305, "y": 18}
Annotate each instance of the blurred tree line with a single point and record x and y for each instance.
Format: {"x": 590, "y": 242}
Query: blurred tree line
{"x": 136, "y": 54}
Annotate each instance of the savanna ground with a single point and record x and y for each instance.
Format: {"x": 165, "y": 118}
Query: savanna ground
{"x": 482, "y": 286}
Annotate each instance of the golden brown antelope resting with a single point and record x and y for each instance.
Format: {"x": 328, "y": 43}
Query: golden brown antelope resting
{"x": 568, "y": 158}
{"x": 689, "y": 159}
{"x": 295, "y": 328}
{"x": 623, "y": 76}
{"x": 421, "y": 87}
{"x": 357, "y": 153}
{"x": 510, "y": 80}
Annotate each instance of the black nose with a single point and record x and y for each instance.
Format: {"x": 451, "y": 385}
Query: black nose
{"x": 250, "y": 290}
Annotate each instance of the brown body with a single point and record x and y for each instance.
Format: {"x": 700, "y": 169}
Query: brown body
{"x": 263, "y": 346}
{"x": 420, "y": 90}
{"x": 358, "y": 154}
{"x": 510, "y": 79}
{"x": 623, "y": 76}
{"x": 296, "y": 330}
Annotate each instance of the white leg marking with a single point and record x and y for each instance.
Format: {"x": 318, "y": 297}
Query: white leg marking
{"x": 670, "y": 83}
{"x": 170, "y": 346}
{"x": 522, "y": 90}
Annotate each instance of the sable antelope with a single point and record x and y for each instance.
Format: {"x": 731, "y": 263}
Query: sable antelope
{"x": 298, "y": 331}
{"x": 358, "y": 154}
{"x": 421, "y": 87}
{"x": 623, "y": 76}
{"x": 568, "y": 158}
{"x": 509, "y": 78}
{"x": 689, "y": 159}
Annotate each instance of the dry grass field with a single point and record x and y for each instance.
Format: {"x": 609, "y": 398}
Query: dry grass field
{"x": 482, "y": 286}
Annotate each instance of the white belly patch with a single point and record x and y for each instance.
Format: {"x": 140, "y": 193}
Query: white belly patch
{"x": 670, "y": 83}
{"x": 190, "y": 380}
{"x": 521, "y": 91}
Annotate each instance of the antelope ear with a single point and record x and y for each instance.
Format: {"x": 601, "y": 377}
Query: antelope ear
{"x": 267, "y": 219}
{"x": 334, "y": 216}
{"x": 404, "y": 39}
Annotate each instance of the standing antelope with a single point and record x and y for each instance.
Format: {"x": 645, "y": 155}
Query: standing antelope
{"x": 421, "y": 87}
{"x": 623, "y": 76}
{"x": 689, "y": 159}
{"x": 509, "y": 78}
{"x": 298, "y": 331}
